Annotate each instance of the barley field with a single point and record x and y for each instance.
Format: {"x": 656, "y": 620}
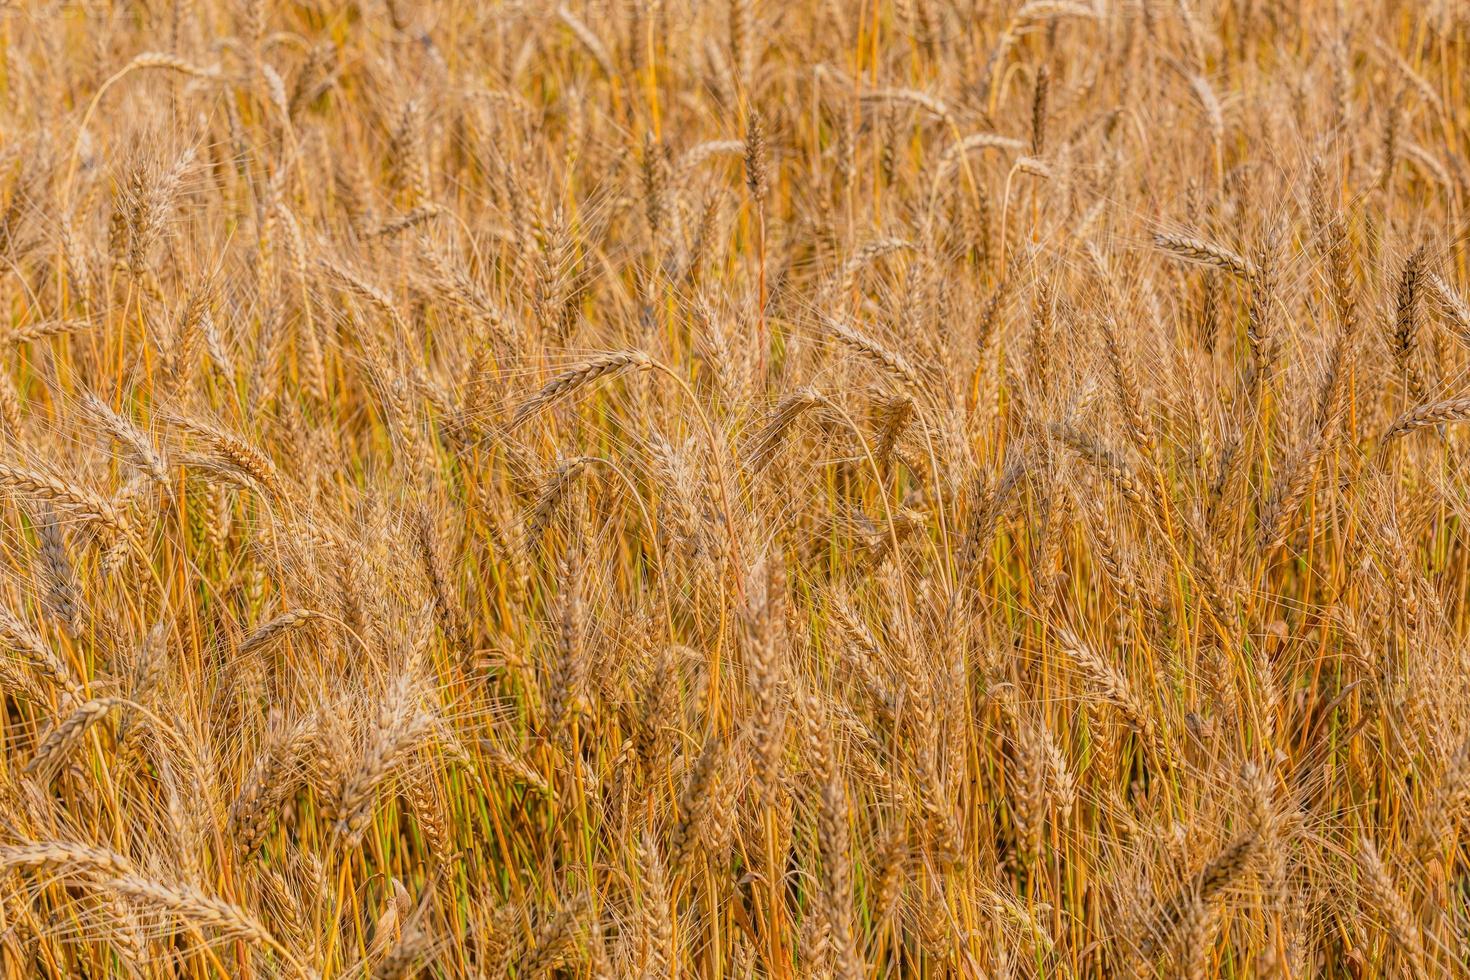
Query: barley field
{"x": 735, "y": 489}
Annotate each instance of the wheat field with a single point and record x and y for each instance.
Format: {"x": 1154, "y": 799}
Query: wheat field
{"x": 734, "y": 489}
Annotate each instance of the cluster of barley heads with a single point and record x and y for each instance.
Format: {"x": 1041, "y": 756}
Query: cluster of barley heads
{"x": 734, "y": 489}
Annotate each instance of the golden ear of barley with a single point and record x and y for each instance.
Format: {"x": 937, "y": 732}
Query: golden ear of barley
{"x": 162, "y": 59}
{"x": 1389, "y": 142}
{"x": 1259, "y": 327}
{"x": 353, "y": 284}
{"x": 1214, "y": 878}
{"x": 1423, "y": 416}
{"x": 12, "y": 412}
{"x": 1115, "y": 469}
{"x": 1063, "y": 783}
{"x": 68, "y": 733}
{"x": 553, "y": 491}
{"x": 407, "y": 220}
{"x": 63, "y": 857}
{"x": 1399, "y": 919}
{"x": 194, "y": 906}
{"x": 61, "y": 594}
{"x": 401, "y": 724}
{"x": 1451, "y": 803}
{"x": 708, "y": 150}
{"x": 1127, "y": 388}
{"x": 272, "y": 779}
{"x": 513, "y": 766}
{"x": 451, "y": 615}
{"x": 44, "y": 329}
{"x": 235, "y": 451}
{"x": 756, "y": 179}
{"x": 1210, "y": 103}
{"x": 220, "y": 473}
{"x": 658, "y": 703}
{"x": 1115, "y": 689}
{"x": 81, "y": 502}
{"x": 1054, "y": 10}
{"x": 268, "y": 632}
{"x": 913, "y": 97}
{"x": 950, "y": 162}
{"x": 866, "y": 255}
{"x": 553, "y": 941}
{"x": 1429, "y": 164}
{"x": 565, "y": 697}
{"x": 181, "y": 358}
{"x": 1038, "y": 111}
{"x": 1277, "y": 516}
{"x": 761, "y": 446}
{"x": 655, "y": 181}
{"x": 890, "y": 361}
{"x": 33, "y": 648}
{"x": 1454, "y": 305}
{"x": 1407, "y": 303}
{"x": 140, "y": 449}
{"x": 655, "y": 918}
{"x": 696, "y": 802}
{"x": 569, "y": 382}
{"x": 834, "y": 842}
{"x": 429, "y": 810}
{"x": 1209, "y": 253}
{"x": 1034, "y": 167}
